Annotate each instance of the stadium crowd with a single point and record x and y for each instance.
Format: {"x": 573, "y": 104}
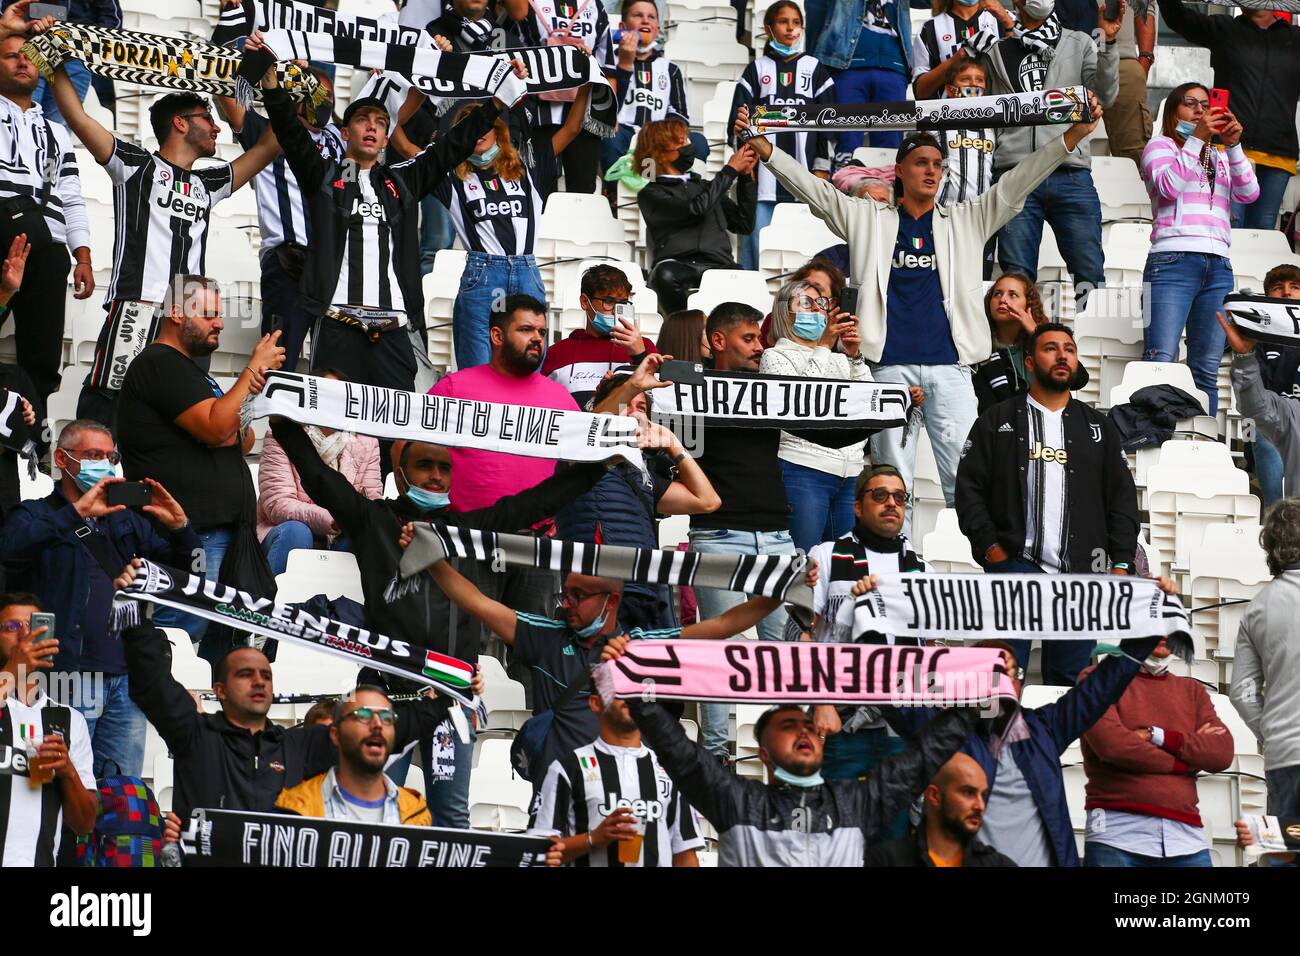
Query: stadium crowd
{"x": 933, "y": 287}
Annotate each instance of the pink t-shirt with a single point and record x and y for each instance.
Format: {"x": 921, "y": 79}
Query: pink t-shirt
{"x": 481, "y": 478}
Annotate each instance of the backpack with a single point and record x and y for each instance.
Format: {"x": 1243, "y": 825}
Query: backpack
{"x": 128, "y": 826}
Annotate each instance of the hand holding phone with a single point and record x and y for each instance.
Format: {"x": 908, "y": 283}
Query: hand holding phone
{"x": 1219, "y": 99}
{"x": 687, "y": 373}
{"x": 131, "y": 494}
{"x": 39, "y": 11}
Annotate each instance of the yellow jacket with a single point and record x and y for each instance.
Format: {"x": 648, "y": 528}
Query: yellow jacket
{"x": 307, "y": 799}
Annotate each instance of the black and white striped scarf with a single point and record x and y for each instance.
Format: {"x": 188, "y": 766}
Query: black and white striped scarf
{"x": 163, "y": 62}
{"x": 778, "y": 576}
{"x": 1276, "y": 321}
{"x": 236, "y": 23}
{"x": 1042, "y": 38}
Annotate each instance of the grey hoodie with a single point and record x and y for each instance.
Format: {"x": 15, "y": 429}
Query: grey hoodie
{"x": 1076, "y": 62}
{"x": 1266, "y": 670}
{"x": 1276, "y": 416}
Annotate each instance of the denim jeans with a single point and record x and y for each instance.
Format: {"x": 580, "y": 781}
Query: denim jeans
{"x": 1268, "y": 469}
{"x": 821, "y": 505}
{"x": 1283, "y": 785}
{"x": 1067, "y": 200}
{"x": 950, "y": 410}
{"x": 714, "y": 730}
{"x": 293, "y": 536}
{"x": 215, "y": 541}
{"x": 868, "y": 85}
{"x": 447, "y": 797}
{"x": 435, "y": 231}
{"x": 484, "y": 284}
{"x": 749, "y": 244}
{"x": 280, "y": 299}
{"x": 1262, "y": 213}
{"x": 1186, "y": 289}
{"x": 1062, "y": 660}
{"x": 617, "y": 145}
{"x": 80, "y": 78}
{"x": 853, "y": 756}
{"x": 1100, "y": 854}
{"x": 115, "y": 724}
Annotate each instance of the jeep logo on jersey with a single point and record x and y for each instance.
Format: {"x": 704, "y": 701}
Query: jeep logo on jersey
{"x": 370, "y": 210}
{"x": 647, "y": 810}
{"x": 187, "y": 201}
{"x": 482, "y": 209}
{"x": 644, "y": 97}
{"x": 13, "y": 762}
{"x": 906, "y": 260}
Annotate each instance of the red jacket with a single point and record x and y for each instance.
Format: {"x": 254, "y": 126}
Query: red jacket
{"x": 581, "y": 361}
{"x": 1132, "y": 775}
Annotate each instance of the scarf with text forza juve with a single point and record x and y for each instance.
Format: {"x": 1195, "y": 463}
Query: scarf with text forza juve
{"x": 163, "y": 62}
{"x": 440, "y": 420}
{"x": 1023, "y": 607}
{"x": 286, "y": 622}
{"x": 1276, "y": 321}
{"x": 1044, "y": 108}
{"x": 778, "y": 576}
{"x": 244, "y": 838}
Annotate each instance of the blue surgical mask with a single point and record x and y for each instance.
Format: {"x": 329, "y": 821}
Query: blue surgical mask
{"x": 785, "y": 776}
{"x": 783, "y": 50}
{"x": 595, "y": 627}
{"x": 809, "y": 325}
{"x": 486, "y": 157}
{"x": 604, "y": 324}
{"x": 1185, "y": 128}
{"x": 92, "y": 472}
{"x": 428, "y": 500}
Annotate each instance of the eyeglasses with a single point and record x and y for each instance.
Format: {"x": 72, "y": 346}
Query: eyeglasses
{"x": 15, "y": 627}
{"x": 574, "y": 598}
{"x": 807, "y": 303}
{"x": 112, "y": 457}
{"x": 1194, "y": 102}
{"x": 881, "y": 495}
{"x": 205, "y": 114}
{"x": 612, "y": 300}
{"x": 366, "y": 714}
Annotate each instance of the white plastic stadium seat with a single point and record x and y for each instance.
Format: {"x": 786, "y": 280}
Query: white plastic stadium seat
{"x": 794, "y": 236}
{"x": 946, "y": 548}
{"x": 1109, "y": 335}
{"x": 1228, "y": 565}
{"x": 1120, "y": 188}
{"x": 498, "y": 798}
{"x": 927, "y": 492}
{"x": 1125, "y": 246}
{"x": 1182, "y": 502}
{"x": 731, "y": 285}
{"x": 300, "y": 669}
{"x": 707, "y": 54}
{"x": 875, "y": 156}
{"x": 1141, "y": 374}
{"x": 310, "y": 572}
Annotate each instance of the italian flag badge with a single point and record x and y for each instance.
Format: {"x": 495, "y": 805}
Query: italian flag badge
{"x": 447, "y": 670}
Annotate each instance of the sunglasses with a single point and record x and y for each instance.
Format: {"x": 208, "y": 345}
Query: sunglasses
{"x": 881, "y": 495}
{"x": 366, "y": 714}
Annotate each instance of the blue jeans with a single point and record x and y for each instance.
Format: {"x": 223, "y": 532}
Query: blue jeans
{"x": 853, "y": 756}
{"x": 293, "y": 536}
{"x": 484, "y": 285}
{"x": 714, "y": 730}
{"x": 1062, "y": 660}
{"x": 1283, "y": 785}
{"x": 950, "y": 410}
{"x": 749, "y": 244}
{"x": 1262, "y": 213}
{"x": 116, "y": 725}
{"x": 868, "y": 84}
{"x": 447, "y": 796}
{"x": 1099, "y": 854}
{"x": 1187, "y": 289}
{"x": 435, "y": 231}
{"x": 821, "y": 505}
{"x": 1268, "y": 469}
{"x": 281, "y": 300}
{"x": 80, "y": 78}
{"x": 617, "y": 145}
{"x": 1067, "y": 200}
{"x": 215, "y": 541}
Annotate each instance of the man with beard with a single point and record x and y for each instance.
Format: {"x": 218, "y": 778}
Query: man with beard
{"x": 357, "y": 789}
{"x": 1044, "y": 486}
{"x": 518, "y": 334}
{"x": 954, "y": 813}
{"x": 176, "y": 426}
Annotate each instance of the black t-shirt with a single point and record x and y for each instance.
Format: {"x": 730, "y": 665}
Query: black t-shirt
{"x": 208, "y": 482}
{"x": 742, "y": 466}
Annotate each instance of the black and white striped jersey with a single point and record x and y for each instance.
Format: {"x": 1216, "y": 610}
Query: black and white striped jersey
{"x": 31, "y": 819}
{"x": 368, "y": 274}
{"x": 585, "y": 20}
{"x": 281, "y": 216}
{"x": 797, "y": 82}
{"x": 588, "y": 784}
{"x": 941, "y": 35}
{"x": 651, "y": 90}
{"x": 968, "y": 169}
{"x": 161, "y": 217}
{"x": 26, "y": 153}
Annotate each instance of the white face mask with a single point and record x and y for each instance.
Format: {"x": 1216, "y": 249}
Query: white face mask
{"x": 1155, "y": 666}
{"x": 1039, "y": 9}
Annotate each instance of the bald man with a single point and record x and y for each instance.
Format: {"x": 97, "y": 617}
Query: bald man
{"x": 954, "y": 813}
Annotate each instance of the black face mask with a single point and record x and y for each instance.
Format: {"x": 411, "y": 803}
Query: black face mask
{"x": 685, "y": 158}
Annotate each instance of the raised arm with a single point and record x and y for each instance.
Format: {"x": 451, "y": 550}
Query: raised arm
{"x": 167, "y": 705}
{"x": 494, "y": 615}
{"x": 94, "y": 136}
{"x": 215, "y": 421}
{"x": 253, "y": 161}
{"x": 573, "y": 122}
{"x": 300, "y": 150}
{"x": 326, "y": 487}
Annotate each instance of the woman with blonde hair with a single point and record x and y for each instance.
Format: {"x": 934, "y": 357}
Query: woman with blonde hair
{"x": 495, "y": 201}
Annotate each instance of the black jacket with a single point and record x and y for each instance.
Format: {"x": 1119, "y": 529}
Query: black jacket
{"x": 993, "y": 476}
{"x": 221, "y": 766}
{"x": 1260, "y": 69}
{"x": 779, "y": 825}
{"x": 689, "y": 218}
{"x": 1150, "y": 416}
{"x": 914, "y": 851}
{"x": 426, "y": 618}
{"x": 995, "y": 381}
{"x": 329, "y": 193}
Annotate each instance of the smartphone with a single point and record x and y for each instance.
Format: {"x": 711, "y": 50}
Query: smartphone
{"x": 38, "y": 11}
{"x": 688, "y": 373}
{"x": 623, "y": 312}
{"x": 849, "y": 300}
{"x": 133, "y": 494}
{"x": 46, "y": 620}
{"x": 275, "y": 324}
{"x": 1112, "y": 10}
{"x": 1218, "y": 99}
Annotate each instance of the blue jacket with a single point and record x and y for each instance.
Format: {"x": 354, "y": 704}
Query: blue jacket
{"x": 103, "y": 13}
{"x": 39, "y": 544}
{"x": 1052, "y": 729}
{"x": 833, "y": 27}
